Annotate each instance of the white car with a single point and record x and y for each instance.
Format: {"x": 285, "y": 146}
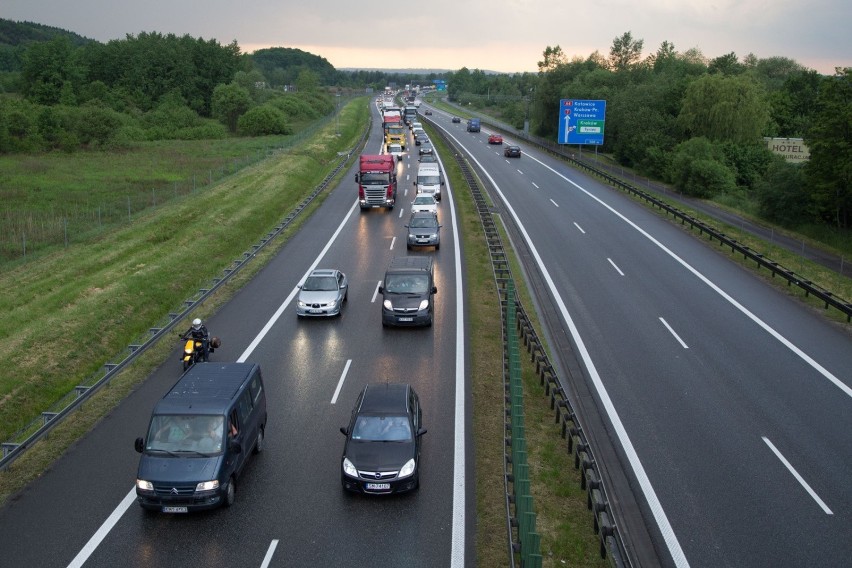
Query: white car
{"x": 424, "y": 202}
{"x": 396, "y": 150}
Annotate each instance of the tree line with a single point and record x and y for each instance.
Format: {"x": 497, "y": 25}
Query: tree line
{"x": 697, "y": 123}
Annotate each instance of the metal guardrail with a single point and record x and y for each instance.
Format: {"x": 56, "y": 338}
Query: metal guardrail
{"x": 828, "y": 298}
{"x": 605, "y": 525}
{"x": 44, "y": 423}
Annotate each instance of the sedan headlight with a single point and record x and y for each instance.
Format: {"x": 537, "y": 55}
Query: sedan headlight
{"x": 349, "y": 469}
{"x": 207, "y": 485}
{"x": 388, "y": 305}
{"x": 423, "y": 305}
{"x": 332, "y": 303}
{"x": 408, "y": 468}
{"x": 302, "y": 304}
{"x": 144, "y": 485}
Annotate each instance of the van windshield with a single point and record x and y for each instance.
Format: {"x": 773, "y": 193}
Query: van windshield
{"x": 407, "y": 284}
{"x": 428, "y": 180}
{"x": 186, "y": 433}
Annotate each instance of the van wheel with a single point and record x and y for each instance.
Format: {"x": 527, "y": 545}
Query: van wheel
{"x": 230, "y": 494}
{"x": 258, "y": 444}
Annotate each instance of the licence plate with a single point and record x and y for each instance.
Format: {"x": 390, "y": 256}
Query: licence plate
{"x": 378, "y": 486}
{"x": 406, "y": 319}
{"x": 175, "y": 510}
{"x": 315, "y": 311}
{"x": 422, "y": 240}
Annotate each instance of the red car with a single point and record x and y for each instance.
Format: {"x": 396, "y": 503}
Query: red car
{"x": 495, "y": 139}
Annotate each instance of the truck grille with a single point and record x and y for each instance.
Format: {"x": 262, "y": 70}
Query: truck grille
{"x": 375, "y": 194}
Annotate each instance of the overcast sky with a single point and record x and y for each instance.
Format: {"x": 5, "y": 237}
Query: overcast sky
{"x": 498, "y": 35}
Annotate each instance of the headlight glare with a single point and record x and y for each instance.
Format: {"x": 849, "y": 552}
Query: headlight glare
{"x": 408, "y": 468}
{"x": 349, "y": 469}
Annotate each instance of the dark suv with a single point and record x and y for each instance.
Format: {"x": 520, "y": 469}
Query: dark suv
{"x": 408, "y": 292}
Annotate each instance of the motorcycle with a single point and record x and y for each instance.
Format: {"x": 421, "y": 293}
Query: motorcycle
{"x": 193, "y": 350}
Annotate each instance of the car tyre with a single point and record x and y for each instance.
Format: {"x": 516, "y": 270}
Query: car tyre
{"x": 230, "y": 494}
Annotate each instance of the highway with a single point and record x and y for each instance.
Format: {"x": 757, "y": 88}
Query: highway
{"x": 728, "y": 402}
{"x": 290, "y": 508}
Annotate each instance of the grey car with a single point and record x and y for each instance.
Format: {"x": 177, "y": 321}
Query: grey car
{"x": 423, "y": 230}
{"x": 322, "y": 294}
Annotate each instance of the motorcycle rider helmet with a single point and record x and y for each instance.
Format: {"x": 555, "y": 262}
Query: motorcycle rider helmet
{"x": 196, "y": 324}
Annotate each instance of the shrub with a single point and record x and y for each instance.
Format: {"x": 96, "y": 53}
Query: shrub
{"x": 263, "y": 120}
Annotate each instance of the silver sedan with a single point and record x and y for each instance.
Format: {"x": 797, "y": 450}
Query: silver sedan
{"x": 322, "y": 294}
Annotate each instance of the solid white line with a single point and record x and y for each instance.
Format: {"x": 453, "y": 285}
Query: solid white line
{"x": 638, "y": 469}
{"x": 534, "y": 185}
{"x": 101, "y": 533}
{"x": 122, "y": 507}
{"x": 376, "y": 292}
{"x": 615, "y": 266}
{"x": 457, "y": 552}
{"x": 393, "y": 240}
{"x": 270, "y": 551}
{"x": 579, "y": 227}
{"x": 676, "y": 336}
{"x": 340, "y": 382}
{"x": 256, "y": 341}
{"x": 798, "y": 477}
{"x": 554, "y": 203}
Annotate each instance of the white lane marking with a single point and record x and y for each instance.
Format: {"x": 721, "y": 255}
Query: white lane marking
{"x": 534, "y": 185}
{"x": 520, "y": 172}
{"x": 615, "y": 266}
{"x": 676, "y": 336}
{"x": 104, "y": 529}
{"x": 340, "y": 382}
{"x": 270, "y": 551}
{"x": 401, "y": 211}
{"x": 458, "y": 531}
{"x": 745, "y": 311}
{"x": 405, "y": 193}
{"x": 798, "y": 477}
{"x": 122, "y": 507}
{"x": 256, "y": 341}
{"x": 376, "y": 292}
{"x": 656, "y": 507}
{"x": 393, "y": 240}
{"x": 554, "y": 203}
{"x": 580, "y": 228}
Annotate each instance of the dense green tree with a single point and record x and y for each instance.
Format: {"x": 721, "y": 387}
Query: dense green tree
{"x": 727, "y": 64}
{"x": 263, "y": 120}
{"x": 829, "y": 139}
{"x": 697, "y": 169}
{"x": 724, "y": 108}
{"x": 229, "y": 103}
{"x": 782, "y": 196}
{"x": 47, "y": 67}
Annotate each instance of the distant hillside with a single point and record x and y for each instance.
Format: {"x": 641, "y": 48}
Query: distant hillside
{"x": 17, "y": 33}
{"x": 15, "y": 36}
{"x": 282, "y": 65}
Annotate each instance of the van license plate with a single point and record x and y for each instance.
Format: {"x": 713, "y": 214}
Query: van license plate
{"x": 175, "y": 509}
{"x": 406, "y": 319}
{"x": 378, "y": 486}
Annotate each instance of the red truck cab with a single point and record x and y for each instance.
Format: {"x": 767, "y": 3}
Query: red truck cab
{"x": 376, "y": 180}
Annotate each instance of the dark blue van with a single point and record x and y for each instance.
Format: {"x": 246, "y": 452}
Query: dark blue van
{"x": 473, "y": 125}
{"x": 200, "y": 437}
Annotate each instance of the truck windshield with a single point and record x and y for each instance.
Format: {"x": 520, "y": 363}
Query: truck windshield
{"x": 396, "y": 130}
{"x": 428, "y": 180}
{"x": 193, "y": 433}
{"x": 375, "y": 178}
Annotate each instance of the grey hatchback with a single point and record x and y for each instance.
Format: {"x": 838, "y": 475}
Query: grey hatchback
{"x": 322, "y": 294}
{"x": 424, "y": 230}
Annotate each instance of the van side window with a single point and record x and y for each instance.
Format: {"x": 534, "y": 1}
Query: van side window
{"x": 233, "y": 424}
{"x": 245, "y": 405}
{"x": 255, "y": 388}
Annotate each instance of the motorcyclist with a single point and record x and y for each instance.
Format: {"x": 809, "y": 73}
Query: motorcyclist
{"x": 198, "y": 331}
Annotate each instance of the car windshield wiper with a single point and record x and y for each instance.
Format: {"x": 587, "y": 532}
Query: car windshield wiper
{"x": 158, "y": 450}
{"x": 196, "y": 452}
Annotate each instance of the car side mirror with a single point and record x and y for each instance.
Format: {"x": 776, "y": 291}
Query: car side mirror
{"x": 406, "y": 226}
{"x": 415, "y": 182}
{"x": 344, "y": 430}
{"x": 421, "y": 432}
{"x": 434, "y": 289}
{"x": 381, "y": 289}
{"x": 357, "y": 176}
{"x": 139, "y": 445}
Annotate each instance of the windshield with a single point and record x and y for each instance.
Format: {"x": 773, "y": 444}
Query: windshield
{"x": 193, "y": 433}
{"x": 375, "y": 178}
{"x": 429, "y": 180}
{"x": 320, "y": 284}
{"x": 382, "y": 429}
{"x": 424, "y": 222}
{"x": 424, "y": 200}
{"x": 407, "y": 284}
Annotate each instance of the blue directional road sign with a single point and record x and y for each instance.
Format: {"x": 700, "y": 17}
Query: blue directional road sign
{"x": 581, "y": 121}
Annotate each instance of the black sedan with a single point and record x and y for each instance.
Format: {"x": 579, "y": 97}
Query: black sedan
{"x": 512, "y": 152}
{"x": 382, "y": 450}
{"x": 456, "y": 119}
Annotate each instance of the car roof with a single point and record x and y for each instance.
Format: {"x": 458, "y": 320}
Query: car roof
{"x": 385, "y": 398}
